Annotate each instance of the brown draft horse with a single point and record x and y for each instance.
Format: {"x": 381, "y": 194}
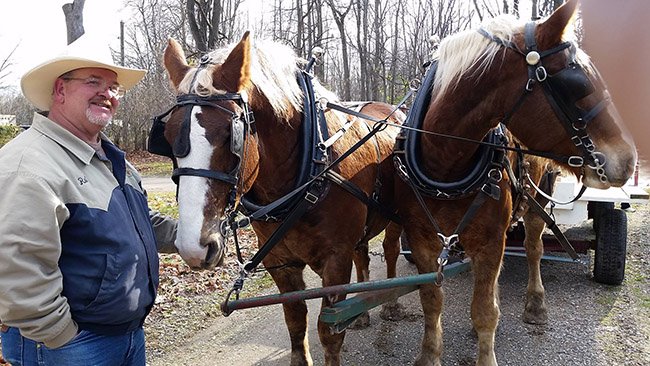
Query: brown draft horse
{"x": 478, "y": 82}
{"x": 326, "y": 237}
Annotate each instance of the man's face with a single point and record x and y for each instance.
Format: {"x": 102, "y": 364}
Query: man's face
{"x": 91, "y": 95}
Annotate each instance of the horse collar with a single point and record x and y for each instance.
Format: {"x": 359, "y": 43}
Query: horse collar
{"x": 406, "y": 156}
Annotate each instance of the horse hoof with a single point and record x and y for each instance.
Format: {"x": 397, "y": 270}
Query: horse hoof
{"x": 393, "y": 312}
{"x": 362, "y": 322}
{"x": 538, "y": 318}
{"x": 535, "y": 311}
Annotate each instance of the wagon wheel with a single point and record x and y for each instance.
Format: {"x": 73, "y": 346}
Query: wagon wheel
{"x": 611, "y": 244}
{"x": 594, "y": 208}
{"x": 405, "y": 247}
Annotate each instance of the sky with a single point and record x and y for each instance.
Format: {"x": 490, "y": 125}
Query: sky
{"x": 38, "y": 28}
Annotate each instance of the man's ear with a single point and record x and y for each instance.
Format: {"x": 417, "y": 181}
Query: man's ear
{"x": 58, "y": 92}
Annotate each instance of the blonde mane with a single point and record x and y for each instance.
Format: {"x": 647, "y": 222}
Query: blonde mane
{"x": 274, "y": 67}
{"x": 469, "y": 50}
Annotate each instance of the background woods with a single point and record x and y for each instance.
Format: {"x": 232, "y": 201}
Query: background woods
{"x": 373, "y": 48}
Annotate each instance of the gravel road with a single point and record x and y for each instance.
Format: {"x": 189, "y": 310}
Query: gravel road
{"x": 589, "y": 323}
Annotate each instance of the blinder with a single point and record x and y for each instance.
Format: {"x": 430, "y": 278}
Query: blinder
{"x": 571, "y": 83}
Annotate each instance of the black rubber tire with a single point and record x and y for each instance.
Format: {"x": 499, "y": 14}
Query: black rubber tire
{"x": 594, "y": 208}
{"x": 405, "y": 246}
{"x": 611, "y": 247}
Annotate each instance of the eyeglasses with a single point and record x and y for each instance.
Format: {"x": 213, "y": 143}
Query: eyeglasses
{"x": 114, "y": 90}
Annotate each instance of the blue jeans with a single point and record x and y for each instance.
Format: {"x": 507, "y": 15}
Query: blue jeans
{"x": 86, "y": 349}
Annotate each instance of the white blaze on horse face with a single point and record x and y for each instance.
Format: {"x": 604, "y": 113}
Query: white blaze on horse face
{"x": 192, "y": 195}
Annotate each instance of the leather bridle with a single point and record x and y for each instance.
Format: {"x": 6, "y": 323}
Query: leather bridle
{"x": 562, "y": 90}
{"x": 241, "y": 125}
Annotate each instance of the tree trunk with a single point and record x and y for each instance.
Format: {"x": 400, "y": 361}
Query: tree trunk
{"x": 515, "y": 8}
{"x": 362, "y": 15}
{"x": 393, "y": 61}
{"x": 214, "y": 31}
{"x": 299, "y": 34}
{"x": 339, "y": 18}
{"x": 74, "y": 19}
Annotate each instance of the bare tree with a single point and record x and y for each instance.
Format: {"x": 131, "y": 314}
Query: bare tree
{"x": 211, "y": 22}
{"x": 534, "y": 15}
{"x": 339, "y": 18}
{"x": 4, "y": 66}
{"x": 74, "y": 19}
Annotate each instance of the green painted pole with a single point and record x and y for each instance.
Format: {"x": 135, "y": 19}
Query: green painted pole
{"x": 228, "y": 307}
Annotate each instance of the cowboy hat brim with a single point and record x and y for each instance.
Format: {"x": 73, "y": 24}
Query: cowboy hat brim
{"x": 37, "y": 84}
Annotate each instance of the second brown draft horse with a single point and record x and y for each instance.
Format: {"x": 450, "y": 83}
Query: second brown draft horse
{"x": 535, "y": 79}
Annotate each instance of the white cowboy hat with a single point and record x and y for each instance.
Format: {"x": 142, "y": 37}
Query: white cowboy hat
{"x": 38, "y": 83}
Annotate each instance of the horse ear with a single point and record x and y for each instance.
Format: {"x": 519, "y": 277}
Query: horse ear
{"x": 175, "y": 63}
{"x": 551, "y": 30}
{"x": 235, "y": 72}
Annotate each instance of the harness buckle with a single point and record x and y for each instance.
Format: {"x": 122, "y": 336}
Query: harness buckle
{"x": 311, "y": 198}
{"x": 495, "y": 174}
{"x": 541, "y": 73}
{"x": 579, "y": 124}
{"x": 529, "y": 85}
{"x": 401, "y": 168}
{"x": 575, "y": 161}
{"x": 576, "y": 140}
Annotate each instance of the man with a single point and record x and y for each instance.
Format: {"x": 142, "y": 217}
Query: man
{"x": 78, "y": 251}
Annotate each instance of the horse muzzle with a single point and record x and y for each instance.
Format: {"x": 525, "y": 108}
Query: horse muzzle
{"x": 216, "y": 254}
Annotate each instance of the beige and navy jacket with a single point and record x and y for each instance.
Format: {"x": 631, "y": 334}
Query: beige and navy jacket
{"x": 77, "y": 247}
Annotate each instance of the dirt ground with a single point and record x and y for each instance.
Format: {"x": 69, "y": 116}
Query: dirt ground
{"x": 589, "y": 323}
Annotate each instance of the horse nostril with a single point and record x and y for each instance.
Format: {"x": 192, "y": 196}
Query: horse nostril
{"x": 215, "y": 255}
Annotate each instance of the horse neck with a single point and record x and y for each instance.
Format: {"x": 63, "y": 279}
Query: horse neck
{"x": 279, "y": 154}
{"x": 448, "y": 159}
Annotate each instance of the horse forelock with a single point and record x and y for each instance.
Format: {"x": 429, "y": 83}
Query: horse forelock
{"x": 273, "y": 69}
{"x": 469, "y": 50}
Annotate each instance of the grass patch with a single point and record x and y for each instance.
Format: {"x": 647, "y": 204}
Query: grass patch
{"x": 156, "y": 168}
{"x": 163, "y": 202}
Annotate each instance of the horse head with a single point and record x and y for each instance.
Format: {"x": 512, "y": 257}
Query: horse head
{"x": 538, "y": 80}
{"x": 211, "y": 133}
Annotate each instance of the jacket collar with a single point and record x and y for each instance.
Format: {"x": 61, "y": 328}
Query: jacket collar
{"x": 65, "y": 138}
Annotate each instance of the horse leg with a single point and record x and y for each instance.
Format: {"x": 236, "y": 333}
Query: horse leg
{"x": 485, "y": 300}
{"x": 431, "y": 298}
{"x": 295, "y": 314}
{"x": 535, "y": 311}
{"x": 362, "y": 265}
{"x": 336, "y": 272}
{"x": 392, "y": 310}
